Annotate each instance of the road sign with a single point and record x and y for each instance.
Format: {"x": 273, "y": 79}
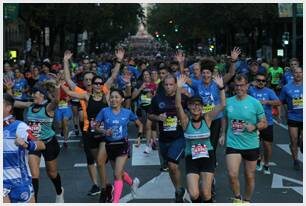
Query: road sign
{"x": 10, "y": 11}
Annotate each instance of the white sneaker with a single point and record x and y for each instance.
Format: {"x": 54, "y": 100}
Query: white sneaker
{"x": 148, "y": 150}
{"x": 60, "y": 198}
{"x": 134, "y": 187}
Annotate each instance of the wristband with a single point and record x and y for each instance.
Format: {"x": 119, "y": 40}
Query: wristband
{"x": 119, "y": 62}
{"x": 222, "y": 88}
{"x": 31, "y": 146}
{"x": 233, "y": 61}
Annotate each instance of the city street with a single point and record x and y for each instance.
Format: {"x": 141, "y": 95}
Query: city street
{"x": 284, "y": 185}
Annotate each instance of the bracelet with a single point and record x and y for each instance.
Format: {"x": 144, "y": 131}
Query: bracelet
{"x": 222, "y": 88}
{"x": 233, "y": 61}
{"x": 119, "y": 62}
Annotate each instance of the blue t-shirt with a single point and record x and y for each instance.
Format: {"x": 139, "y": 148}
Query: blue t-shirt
{"x": 262, "y": 70}
{"x": 43, "y": 77}
{"x": 264, "y": 94}
{"x": 292, "y": 95}
{"x": 134, "y": 71}
{"x": 239, "y": 113}
{"x": 104, "y": 70}
{"x": 287, "y": 77}
{"x": 210, "y": 96}
{"x": 19, "y": 85}
{"x": 242, "y": 67}
{"x": 117, "y": 122}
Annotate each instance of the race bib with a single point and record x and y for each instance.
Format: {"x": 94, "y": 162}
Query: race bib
{"x": 170, "y": 124}
{"x": 199, "y": 151}
{"x": 238, "y": 126}
{"x": 63, "y": 104}
{"x": 35, "y": 128}
{"x": 297, "y": 103}
{"x": 145, "y": 99}
{"x": 17, "y": 93}
{"x": 208, "y": 108}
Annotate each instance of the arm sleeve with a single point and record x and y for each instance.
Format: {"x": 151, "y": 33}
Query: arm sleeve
{"x": 100, "y": 116}
{"x": 133, "y": 117}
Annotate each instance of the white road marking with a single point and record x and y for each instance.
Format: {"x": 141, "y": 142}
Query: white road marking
{"x": 277, "y": 182}
{"x": 139, "y": 158}
{"x": 281, "y": 125}
{"x": 286, "y": 148}
{"x": 159, "y": 187}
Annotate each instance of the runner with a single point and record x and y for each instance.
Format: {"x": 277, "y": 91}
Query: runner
{"x": 267, "y": 98}
{"x": 40, "y": 116}
{"x": 144, "y": 95}
{"x": 95, "y": 102}
{"x": 17, "y": 138}
{"x": 244, "y": 117}
{"x": 115, "y": 120}
{"x": 199, "y": 152}
{"x": 171, "y": 136}
{"x": 292, "y": 96}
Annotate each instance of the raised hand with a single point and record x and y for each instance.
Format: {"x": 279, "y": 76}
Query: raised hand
{"x": 119, "y": 53}
{"x": 219, "y": 81}
{"x": 8, "y": 83}
{"x": 235, "y": 53}
{"x": 67, "y": 55}
{"x": 180, "y": 56}
{"x": 181, "y": 81}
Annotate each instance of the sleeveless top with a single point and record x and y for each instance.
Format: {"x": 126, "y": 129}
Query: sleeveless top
{"x": 40, "y": 123}
{"x": 195, "y": 137}
{"x": 94, "y": 107}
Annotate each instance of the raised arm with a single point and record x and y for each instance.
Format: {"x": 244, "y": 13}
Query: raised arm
{"x": 219, "y": 108}
{"x": 232, "y": 70}
{"x": 74, "y": 94}
{"x": 67, "y": 57}
{"x": 119, "y": 55}
{"x": 180, "y": 110}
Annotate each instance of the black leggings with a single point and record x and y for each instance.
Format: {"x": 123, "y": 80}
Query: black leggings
{"x": 89, "y": 157}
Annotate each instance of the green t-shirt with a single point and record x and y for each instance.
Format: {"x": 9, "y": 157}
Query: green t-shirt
{"x": 276, "y": 75}
{"x": 239, "y": 113}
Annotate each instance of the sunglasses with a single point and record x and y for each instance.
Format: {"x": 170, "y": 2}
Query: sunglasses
{"x": 261, "y": 80}
{"x": 97, "y": 83}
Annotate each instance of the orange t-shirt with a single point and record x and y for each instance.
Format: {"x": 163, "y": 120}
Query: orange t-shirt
{"x": 78, "y": 90}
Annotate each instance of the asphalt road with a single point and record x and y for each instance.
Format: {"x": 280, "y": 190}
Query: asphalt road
{"x": 284, "y": 185}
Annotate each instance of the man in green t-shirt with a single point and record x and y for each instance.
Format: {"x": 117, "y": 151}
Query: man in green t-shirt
{"x": 275, "y": 75}
{"x": 244, "y": 116}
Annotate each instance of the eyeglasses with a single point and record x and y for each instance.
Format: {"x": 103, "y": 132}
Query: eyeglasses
{"x": 97, "y": 83}
{"x": 240, "y": 85}
{"x": 261, "y": 80}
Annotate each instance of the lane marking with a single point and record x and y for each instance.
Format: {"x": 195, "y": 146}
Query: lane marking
{"x": 160, "y": 187}
{"x": 286, "y": 148}
{"x": 281, "y": 125}
{"x": 139, "y": 158}
{"x": 277, "y": 183}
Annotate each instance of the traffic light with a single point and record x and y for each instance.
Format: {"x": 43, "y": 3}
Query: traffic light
{"x": 285, "y": 38}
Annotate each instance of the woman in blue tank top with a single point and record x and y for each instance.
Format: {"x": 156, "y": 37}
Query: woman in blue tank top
{"x": 199, "y": 155}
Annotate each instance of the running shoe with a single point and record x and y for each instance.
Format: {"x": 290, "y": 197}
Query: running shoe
{"x": 180, "y": 195}
{"x": 60, "y": 198}
{"x": 147, "y": 150}
{"x": 58, "y": 136}
{"x": 134, "y": 187}
{"x": 237, "y": 200}
{"x": 94, "y": 190}
{"x": 109, "y": 193}
{"x": 154, "y": 145}
{"x": 102, "y": 198}
{"x": 164, "y": 169}
{"x": 259, "y": 166}
{"x": 266, "y": 170}
{"x": 296, "y": 165}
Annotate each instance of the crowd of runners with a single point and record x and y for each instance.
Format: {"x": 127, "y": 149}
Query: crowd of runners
{"x": 182, "y": 106}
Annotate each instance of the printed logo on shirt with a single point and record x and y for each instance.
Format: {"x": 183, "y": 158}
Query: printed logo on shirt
{"x": 161, "y": 105}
